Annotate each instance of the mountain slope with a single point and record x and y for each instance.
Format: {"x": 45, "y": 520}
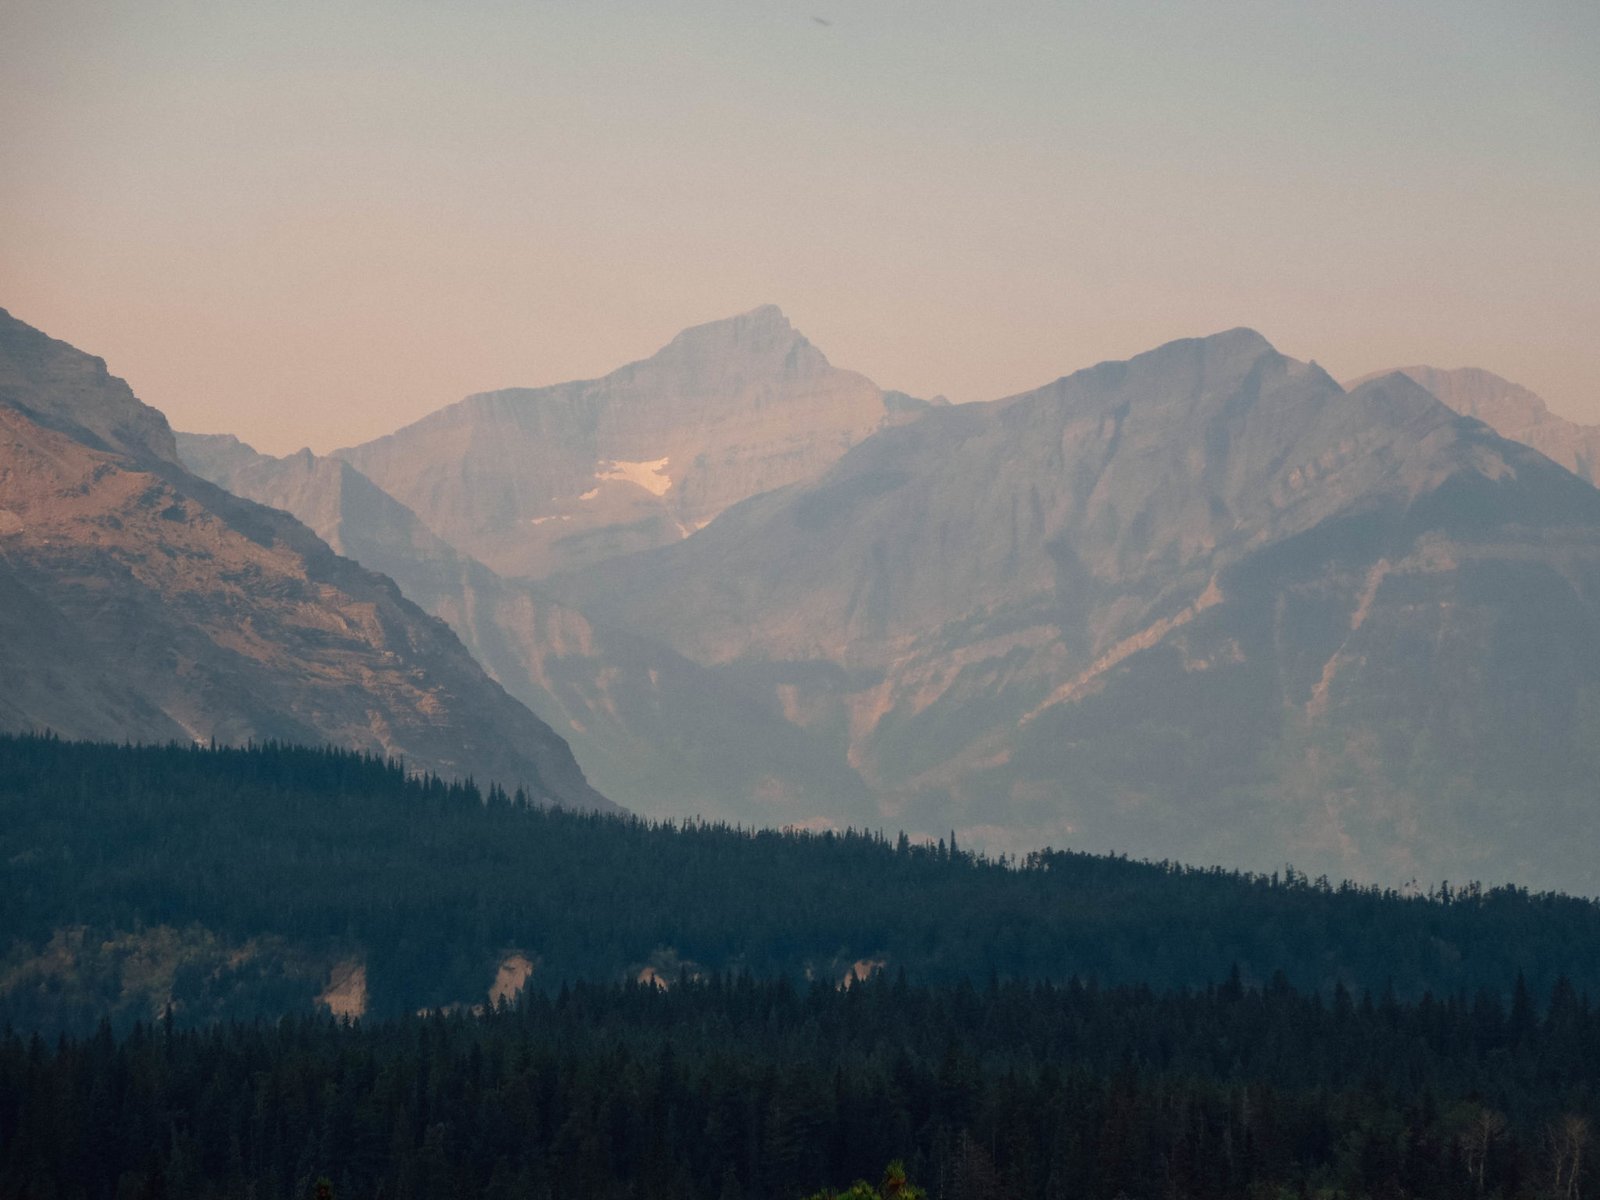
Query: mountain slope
{"x": 65, "y": 390}
{"x": 1203, "y": 603}
{"x": 655, "y": 731}
{"x": 342, "y": 506}
{"x": 1513, "y": 412}
{"x": 146, "y": 604}
{"x": 535, "y": 481}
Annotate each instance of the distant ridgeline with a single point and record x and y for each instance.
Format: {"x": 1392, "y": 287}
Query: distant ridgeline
{"x": 236, "y": 883}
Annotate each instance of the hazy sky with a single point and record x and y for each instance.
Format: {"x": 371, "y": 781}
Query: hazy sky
{"x": 309, "y": 223}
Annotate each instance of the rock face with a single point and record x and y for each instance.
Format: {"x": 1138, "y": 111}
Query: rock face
{"x": 1203, "y": 604}
{"x": 72, "y": 393}
{"x": 142, "y": 603}
{"x": 654, "y": 730}
{"x": 1513, "y": 412}
{"x": 532, "y": 482}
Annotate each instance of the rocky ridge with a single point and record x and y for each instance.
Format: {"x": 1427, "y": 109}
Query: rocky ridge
{"x": 145, "y": 604}
{"x": 1513, "y": 412}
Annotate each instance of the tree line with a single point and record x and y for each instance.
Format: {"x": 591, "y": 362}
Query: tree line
{"x": 732, "y": 1087}
{"x": 225, "y": 881}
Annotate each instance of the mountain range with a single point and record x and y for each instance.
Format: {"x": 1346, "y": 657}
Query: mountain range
{"x": 1205, "y": 604}
{"x": 142, "y": 603}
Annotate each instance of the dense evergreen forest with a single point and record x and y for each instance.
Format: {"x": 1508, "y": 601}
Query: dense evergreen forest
{"x": 224, "y": 882}
{"x": 1068, "y": 1025}
{"x": 732, "y": 1087}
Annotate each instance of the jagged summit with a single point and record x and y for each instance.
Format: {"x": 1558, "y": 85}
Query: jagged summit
{"x": 1214, "y": 362}
{"x": 1216, "y": 358}
{"x": 215, "y": 447}
{"x": 1472, "y": 391}
{"x": 1240, "y": 340}
{"x": 534, "y": 481}
{"x": 759, "y": 340}
{"x": 763, "y": 321}
{"x": 1237, "y": 345}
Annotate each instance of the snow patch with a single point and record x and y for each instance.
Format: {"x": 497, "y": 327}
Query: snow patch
{"x": 651, "y": 476}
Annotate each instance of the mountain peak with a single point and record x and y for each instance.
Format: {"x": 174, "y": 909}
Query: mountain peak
{"x": 1240, "y": 342}
{"x": 1510, "y": 410}
{"x": 532, "y": 481}
{"x": 1222, "y": 358}
{"x": 1232, "y": 351}
{"x": 764, "y": 312}
{"x": 761, "y": 330}
{"x": 768, "y": 316}
{"x": 1474, "y": 392}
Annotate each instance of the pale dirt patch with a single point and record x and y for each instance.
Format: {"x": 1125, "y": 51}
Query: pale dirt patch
{"x": 653, "y": 977}
{"x": 1491, "y": 465}
{"x": 862, "y": 970}
{"x": 789, "y": 698}
{"x": 511, "y": 977}
{"x": 1230, "y": 652}
{"x": 1318, "y": 703}
{"x": 1126, "y": 648}
{"x": 665, "y": 967}
{"x": 346, "y": 993}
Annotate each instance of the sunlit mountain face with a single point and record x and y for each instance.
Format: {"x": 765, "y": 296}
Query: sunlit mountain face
{"x": 143, "y": 603}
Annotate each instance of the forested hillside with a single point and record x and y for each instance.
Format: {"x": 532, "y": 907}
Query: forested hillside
{"x": 732, "y": 1087}
{"x": 248, "y": 882}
